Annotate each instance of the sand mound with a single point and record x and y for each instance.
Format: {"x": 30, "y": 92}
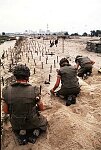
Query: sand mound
{"x": 77, "y": 127}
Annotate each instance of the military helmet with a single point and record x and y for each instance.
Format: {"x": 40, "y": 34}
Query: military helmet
{"x": 77, "y": 57}
{"x": 21, "y": 71}
{"x": 63, "y": 62}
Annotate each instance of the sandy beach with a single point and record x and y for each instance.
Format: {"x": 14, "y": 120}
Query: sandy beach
{"x": 77, "y": 127}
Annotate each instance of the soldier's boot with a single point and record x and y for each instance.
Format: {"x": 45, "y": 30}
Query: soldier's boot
{"x": 32, "y": 138}
{"x": 71, "y": 99}
{"x": 36, "y": 132}
{"x": 99, "y": 71}
{"x": 22, "y": 138}
{"x": 84, "y": 77}
{"x": 86, "y": 74}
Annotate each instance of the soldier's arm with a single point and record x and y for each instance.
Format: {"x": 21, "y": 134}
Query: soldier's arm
{"x": 56, "y": 84}
{"x": 5, "y": 107}
{"x": 92, "y": 62}
{"x": 4, "y": 103}
{"x": 40, "y": 105}
{"x": 77, "y": 66}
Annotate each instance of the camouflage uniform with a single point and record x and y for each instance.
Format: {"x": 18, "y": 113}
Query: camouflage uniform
{"x": 21, "y": 100}
{"x": 69, "y": 81}
{"x": 85, "y": 64}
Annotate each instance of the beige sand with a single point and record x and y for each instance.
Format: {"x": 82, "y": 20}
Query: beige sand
{"x": 77, "y": 127}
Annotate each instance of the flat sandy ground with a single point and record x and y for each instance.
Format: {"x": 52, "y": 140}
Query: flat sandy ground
{"x": 77, "y": 127}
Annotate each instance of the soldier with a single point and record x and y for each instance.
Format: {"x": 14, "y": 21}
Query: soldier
{"x": 69, "y": 82}
{"x": 52, "y": 43}
{"x": 22, "y": 102}
{"x": 56, "y": 42}
{"x": 85, "y": 65}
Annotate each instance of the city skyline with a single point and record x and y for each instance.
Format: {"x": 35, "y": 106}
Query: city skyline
{"x": 73, "y": 16}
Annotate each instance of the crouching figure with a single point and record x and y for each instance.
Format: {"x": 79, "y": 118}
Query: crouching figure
{"x": 69, "y": 82}
{"x": 84, "y": 66}
{"x": 22, "y": 102}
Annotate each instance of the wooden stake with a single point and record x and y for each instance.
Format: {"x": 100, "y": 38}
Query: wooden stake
{"x": 7, "y": 56}
{"x": 57, "y": 59}
{"x": 32, "y": 56}
{"x": 54, "y": 64}
{"x": 34, "y": 70}
{"x": 10, "y": 68}
{"x": 40, "y": 89}
{"x": 40, "y": 58}
{"x": 3, "y": 81}
{"x": 51, "y": 69}
{"x": 34, "y": 62}
{"x": 28, "y": 59}
{"x": 3, "y": 66}
{"x": 42, "y": 64}
{"x": 46, "y": 60}
{"x": 42, "y": 54}
{"x": 12, "y": 61}
{"x": 49, "y": 77}
{"x": 31, "y": 52}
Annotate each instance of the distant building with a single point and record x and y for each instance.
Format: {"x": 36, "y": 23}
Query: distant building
{"x": 47, "y": 31}
{"x": 41, "y": 31}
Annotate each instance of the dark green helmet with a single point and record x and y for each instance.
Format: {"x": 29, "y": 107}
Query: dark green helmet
{"x": 21, "y": 71}
{"x": 64, "y": 62}
{"x": 77, "y": 57}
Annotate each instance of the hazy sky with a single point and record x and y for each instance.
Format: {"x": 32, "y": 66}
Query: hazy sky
{"x": 60, "y": 15}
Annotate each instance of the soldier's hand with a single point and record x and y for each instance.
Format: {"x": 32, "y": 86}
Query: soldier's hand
{"x": 38, "y": 98}
{"x": 47, "y": 107}
{"x": 57, "y": 70}
{"x": 52, "y": 91}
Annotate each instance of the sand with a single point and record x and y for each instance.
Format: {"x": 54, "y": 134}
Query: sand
{"x": 77, "y": 127}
